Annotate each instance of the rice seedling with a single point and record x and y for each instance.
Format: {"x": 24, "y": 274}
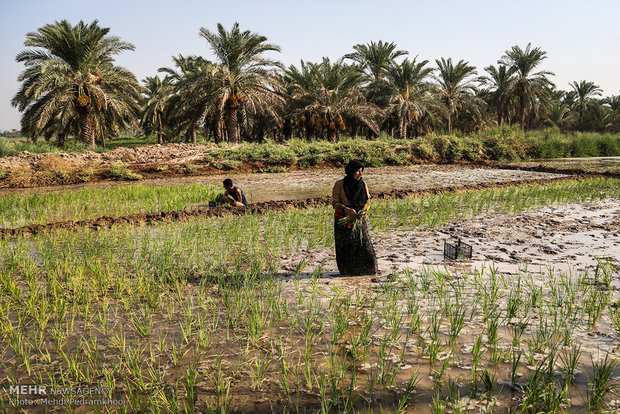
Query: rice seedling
{"x": 569, "y": 360}
{"x": 516, "y": 362}
{"x": 189, "y": 384}
{"x": 476, "y": 356}
{"x": 492, "y": 326}
{"x": 457, "y": 322}
{"x": 594, "y": 303}
{"x": 408, "y": 391}
{"x": 92, "y": 203}
{"x": 601, "y": 383}
{"x": 488, "y": 381}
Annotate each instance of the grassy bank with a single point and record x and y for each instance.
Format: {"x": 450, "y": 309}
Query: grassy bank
{"x": 189, "y": 316}
{"x": 504, "y": 143}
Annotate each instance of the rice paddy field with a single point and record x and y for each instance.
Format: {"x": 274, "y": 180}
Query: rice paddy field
{"x": 247, "y": 313}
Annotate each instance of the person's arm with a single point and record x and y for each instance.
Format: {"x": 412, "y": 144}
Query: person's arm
{"x": 337, "y": 200}
{"x": 336, "y": 203}
{"x": 238, "y": 197}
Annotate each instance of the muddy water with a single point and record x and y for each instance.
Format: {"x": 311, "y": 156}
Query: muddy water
{"x": 318, "y": 182}
{"x": 569, "y": 238}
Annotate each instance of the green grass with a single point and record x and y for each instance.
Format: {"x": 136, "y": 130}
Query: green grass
{"x": 90, "y": 203}
{"x": 121, "y": 171}
{"x": 551, "y": 143}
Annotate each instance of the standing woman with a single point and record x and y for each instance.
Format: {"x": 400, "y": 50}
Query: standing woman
{"x": 355, "y": 253}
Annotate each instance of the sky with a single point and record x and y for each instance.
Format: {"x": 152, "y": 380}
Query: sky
{"x": 581, "y": 38}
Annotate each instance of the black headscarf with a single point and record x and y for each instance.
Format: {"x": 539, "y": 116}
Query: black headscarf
{"x": 354, "y": 189}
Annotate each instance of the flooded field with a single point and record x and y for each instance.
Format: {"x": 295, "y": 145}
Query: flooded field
{"x": 247, "y": 313}
{"x": 563, "y": 238}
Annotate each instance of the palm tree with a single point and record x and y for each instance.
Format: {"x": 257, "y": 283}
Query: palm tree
{"x": 325, "y": 95}
{"x": 501, "y": 84}
{"x": 612, "y": 103}
{"x": 374, "y": 59}
{"x": 243, "y": 75}
{"x": 559, "y": 116}
{"x": 194, "y": 100}
{"x": 456, "y": 86}
{"x": 584, "y": 92}
{"x": 410, "y": 95}
{"x": 70, "y": 74}
{"x": 529, "y": 85}
{"x": 158, "y": 93}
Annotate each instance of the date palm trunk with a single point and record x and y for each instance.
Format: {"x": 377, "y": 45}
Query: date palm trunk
{"x": 287, "y": 129}
{"x": 332, "y": 135}
{"x": 403, "y": 129}
{"x": 232, "y": 126}
{"x": 87, "y": 126}
{"x": 160, "y": 135}
{"x": 61, "y": 139}
{"x": 190, "y": 135}
{"x": 354, "y": 129}
{"x": 522, "y": 111}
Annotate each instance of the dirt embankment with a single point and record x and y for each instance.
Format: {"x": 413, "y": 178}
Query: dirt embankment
{"x": 28, "y": 170}
{"x": 168, "y": 153}
{"x": 256, "y": 208}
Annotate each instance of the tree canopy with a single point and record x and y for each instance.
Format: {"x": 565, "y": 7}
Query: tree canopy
{"x": 72, "y": 87}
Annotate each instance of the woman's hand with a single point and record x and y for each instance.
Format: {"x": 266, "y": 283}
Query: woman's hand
{"x": 349, "y": 212}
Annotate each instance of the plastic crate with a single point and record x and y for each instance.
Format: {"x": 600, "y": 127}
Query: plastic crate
{"x": 456, "y": 251}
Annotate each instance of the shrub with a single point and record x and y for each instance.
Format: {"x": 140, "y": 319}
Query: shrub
{"x": 62, "y": 171}
{"x": 472, "y": 149}
{"x": 400, "y": 155}
{"x": 6, "y": 148}
{"x": 77, "y": 146}
{"x": 585, "y": 146}
{"x": 370, "y": 153}
{"x": 187, "y": 168}
{"x": 121, "y": 171}
{"x": 299, "y": 147}
{"x": 448, "y": 147}
{"x": 311, "y": 160}
{"x": 423, "y": 148}
{"x": 276, "y": 154}
{"x": 504, "y": 143}
{"x": 609, "y": 145}
{"x": 226, "y": 164}
{"x": 273, "y": 169}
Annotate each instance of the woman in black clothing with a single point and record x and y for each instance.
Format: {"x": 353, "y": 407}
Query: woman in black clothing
{"x": 355, "y": 253}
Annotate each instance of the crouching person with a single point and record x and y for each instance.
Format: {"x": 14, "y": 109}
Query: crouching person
{"x": 233, "y": 195}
